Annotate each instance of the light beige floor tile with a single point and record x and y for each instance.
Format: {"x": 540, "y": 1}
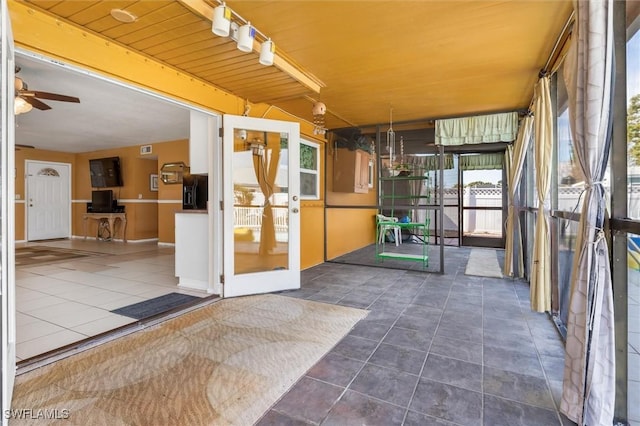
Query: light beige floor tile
{"x": 35, "y": 305}
{"x": 81, "y": 294}
{"x": 37, "y": 282}
{"x": 155, "y": 292}
{"x": 159, "y": 279}
{"x": 65, "y": 307}
{"x": 46, "y": 343}
{"x": 24, "y": 319}
{"x": 103, "y": 324}
{"x": 81, "y": 277}
{"x": 36, "y": 330}
{"x": 140, "y": 288}
{"x": 73, "y": 319}
{"x": 119, "y": 303}
{"x": 105, "y": 296}
{"x": 23, "y": 294}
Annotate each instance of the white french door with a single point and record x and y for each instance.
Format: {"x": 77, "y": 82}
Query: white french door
{"x": 7, "y": 208}
{"x": 261, "y": 207}
{"x": 48, "y": 200}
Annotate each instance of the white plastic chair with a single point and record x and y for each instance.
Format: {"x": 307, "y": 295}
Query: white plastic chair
{"x": 397, "y": 231}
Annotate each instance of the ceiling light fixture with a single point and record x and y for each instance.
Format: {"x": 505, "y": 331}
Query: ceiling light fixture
{"x": 20, "y": 106}
{"x": 267, "y": 51}
{"x": 123, "y": 16}
{"x": 221, "y": 23}
{"x": 246, "y": 34}
{"x": 227, "y": 23}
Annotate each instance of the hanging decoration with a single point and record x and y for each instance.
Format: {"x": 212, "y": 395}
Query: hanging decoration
{"x": 319, "y": 110}
{"x": 391, "y": 139}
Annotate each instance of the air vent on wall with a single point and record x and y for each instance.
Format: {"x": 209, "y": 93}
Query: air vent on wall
{"x": 145, "y": 149}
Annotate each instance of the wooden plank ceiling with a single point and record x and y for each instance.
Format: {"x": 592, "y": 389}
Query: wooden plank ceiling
{"x": 424, "y": 59}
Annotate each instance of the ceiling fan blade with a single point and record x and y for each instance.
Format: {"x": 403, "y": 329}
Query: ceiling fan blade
{"x": 36, "y": 103}
{"x": 55, "y": 97}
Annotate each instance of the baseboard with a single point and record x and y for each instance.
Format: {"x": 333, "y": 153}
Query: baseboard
{"x": 120, "y": 240}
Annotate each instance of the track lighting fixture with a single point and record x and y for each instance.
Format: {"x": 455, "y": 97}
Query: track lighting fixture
{"x": 246, "y": 34}
{"x": 227, "y": 23}
{"x": 221, "y": 23}
{"x": 267, "y": 50}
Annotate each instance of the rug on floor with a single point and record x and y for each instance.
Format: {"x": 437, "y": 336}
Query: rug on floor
{"x": 36, "y": 255}
{"x": 155, "y": 306}
{"x": 483, "y": 263}
{"x": 223, "y": 364}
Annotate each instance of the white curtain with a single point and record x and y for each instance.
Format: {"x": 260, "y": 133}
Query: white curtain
{"x": 514, "y": 158}
{"x": 540, "y": 286}
{"x": 588, "y": 394}
{"x": 478, "y": 129}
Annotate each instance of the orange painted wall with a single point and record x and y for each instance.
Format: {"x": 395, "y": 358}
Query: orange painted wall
{"x": 169, "y": 196}
{"x": 348, "y": 229}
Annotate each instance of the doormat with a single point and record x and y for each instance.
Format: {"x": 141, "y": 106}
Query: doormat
{"x": 226, "y": 363}
{"x": 37, "y": 255}
{"x": 483, "y": 263}
{"x": 154, "y": 306}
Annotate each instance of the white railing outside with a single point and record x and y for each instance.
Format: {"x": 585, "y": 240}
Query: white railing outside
{"x": 251, "y": 218}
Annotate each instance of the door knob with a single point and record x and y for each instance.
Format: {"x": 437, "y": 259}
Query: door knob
{"x": 295, "y": 210}
{"x": 295, "y": 198}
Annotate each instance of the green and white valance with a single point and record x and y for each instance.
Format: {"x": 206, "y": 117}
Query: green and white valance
{"x": 491, "y": 161}
{"x": 478, "y": 129}
{"x": 427, "y": 163}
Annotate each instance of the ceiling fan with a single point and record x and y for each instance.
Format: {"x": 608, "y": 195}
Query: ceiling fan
{"x": 27, "y": 99}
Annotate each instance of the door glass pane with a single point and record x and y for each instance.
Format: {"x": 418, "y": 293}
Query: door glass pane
{"x": 482, "y": 188}
{"x": 261, "y": 198}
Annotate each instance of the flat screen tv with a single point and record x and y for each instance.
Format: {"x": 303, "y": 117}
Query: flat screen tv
{"x": 105, "y": 172}
{"x": 102, "y": 201}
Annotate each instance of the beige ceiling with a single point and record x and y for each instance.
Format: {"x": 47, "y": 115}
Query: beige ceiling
{"x": 424, "y": 59}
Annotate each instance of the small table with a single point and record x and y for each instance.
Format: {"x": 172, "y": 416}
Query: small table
{"x": 110, "y": 218}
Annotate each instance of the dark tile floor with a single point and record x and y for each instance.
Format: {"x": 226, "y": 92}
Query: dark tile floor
{"x": 435, "y": 349}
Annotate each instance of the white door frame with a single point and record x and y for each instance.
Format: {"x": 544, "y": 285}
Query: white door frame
{"x": 7, "y": 211}
{"x": 272, "y": 280}
{"x": 69, "y": 200}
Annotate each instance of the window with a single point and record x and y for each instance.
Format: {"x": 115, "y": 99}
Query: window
{"x": 309, "y": 175}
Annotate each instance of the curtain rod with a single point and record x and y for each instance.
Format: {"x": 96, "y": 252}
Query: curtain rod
{"x": 561, "y": 36}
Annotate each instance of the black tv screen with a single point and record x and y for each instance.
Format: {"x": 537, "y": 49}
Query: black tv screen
{"x": 105, "y": 172}
{"x": 102, "y": 201}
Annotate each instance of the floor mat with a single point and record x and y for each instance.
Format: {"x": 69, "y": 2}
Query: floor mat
{"x": 483, "y": 263}
{"x": 35, "y": 255}
{"x": 223, "y": 364}
{"x": 154, "y": 306}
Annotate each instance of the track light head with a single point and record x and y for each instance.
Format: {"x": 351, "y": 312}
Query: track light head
{"x": 267, "y": 51}
{"x": 221, "y": 23}
{"x": 246, "y": 34}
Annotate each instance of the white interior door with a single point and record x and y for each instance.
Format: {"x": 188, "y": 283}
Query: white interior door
{"x": 261, "y": 193}
{"x": 48, "y": 200}
{"x": 7, "y": 208}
